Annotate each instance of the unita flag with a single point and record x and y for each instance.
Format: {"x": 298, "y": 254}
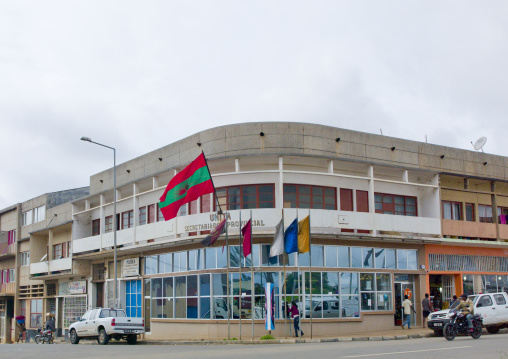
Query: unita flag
{"x": 188, "y": 185}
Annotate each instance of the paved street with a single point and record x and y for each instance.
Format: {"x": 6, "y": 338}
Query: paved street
{"x": 488, "y": 346}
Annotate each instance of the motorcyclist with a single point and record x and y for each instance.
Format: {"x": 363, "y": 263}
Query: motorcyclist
{"x": 467, "y": 308}
{"x": 50, "y": 323}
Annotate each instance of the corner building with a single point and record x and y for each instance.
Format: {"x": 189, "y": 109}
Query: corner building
{"x": 374, "y": 204}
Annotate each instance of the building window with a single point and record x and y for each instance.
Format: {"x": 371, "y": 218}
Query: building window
{"x": 96, "y": 227}
{"x": 25, "y": 258}
{"x": 346, "y": 199}
{"x": 142, "y": 216}
{"x": 36, "y": 313}
{"x": 26, "y": 218}
{"x": 151, "y": 213}
{"x": 485, "y": 213}
{"x": 395, "y": 204}
{"x": 23, "y": 307}
{"x": 59, "y": 251}
{"x": 303, "y": 196}
{"x": 11, "y": 237}
{"x": 12, "y": 276}
{"x": 39, "y": 214}
{"x": 470, "y": 215}
{"x": 160, "y": 216}
{"x": 245, "y": 197}
{"x": 108, "y": 224}
{"x": 127, "y": 219}
{"x": 452, "y": 210}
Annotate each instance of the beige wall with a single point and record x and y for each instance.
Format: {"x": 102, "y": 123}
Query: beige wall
{"x": 164, "y": 329}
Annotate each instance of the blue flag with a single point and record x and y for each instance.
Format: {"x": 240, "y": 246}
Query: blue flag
{"x": 291, "y": 238}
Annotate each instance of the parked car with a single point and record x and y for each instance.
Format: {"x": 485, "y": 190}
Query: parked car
{"x": 493, "y": 308}
{"x": 103, "y": 324}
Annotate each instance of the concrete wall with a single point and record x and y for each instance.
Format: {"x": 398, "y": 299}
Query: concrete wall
{"x": 307, "y": 140}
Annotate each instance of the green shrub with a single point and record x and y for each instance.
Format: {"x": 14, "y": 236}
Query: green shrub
{"x": 267, "y": 337}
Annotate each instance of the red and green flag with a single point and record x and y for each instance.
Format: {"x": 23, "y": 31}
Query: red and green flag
{"x": 188, "y": 185}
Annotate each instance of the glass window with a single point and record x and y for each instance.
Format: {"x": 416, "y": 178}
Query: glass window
{"x": 266, "y": 260}
{"x": 390, "y": 258}
{"x": 356, "y": 257}
{"x": 167, "y": 289}
{"x": 222, "y": 258}
{"x": 383, "y": 283}
{"x": 151, "y": 265}
{"x": 350, "y": 306}
{"x": 211, "y": 261}
{"x": 305, "y": 196}
{"x": 402, "y": 259}
{"x": 180, "y": 286}
{"x": 204, "y": 285}
{"x": 330, "y": 283}
{"x": 470, "y": 216}
{"x": 220, "y": 284}
{"x": 248, "y": 196}
{"x": 499, "y": 299}
{"x": 165, "y": 263}
{"x": 331, "y": 256}
{"x": 317, "y": 256}
{"x": 484, "y": 301}
{"x": 412, "y": 259}
{"x": 344, "y": 257}
{"x": 348, "y": 283}
{"x": 368, "y": 257}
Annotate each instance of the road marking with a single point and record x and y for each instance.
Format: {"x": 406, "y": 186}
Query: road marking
{"x": 412, "y": 351}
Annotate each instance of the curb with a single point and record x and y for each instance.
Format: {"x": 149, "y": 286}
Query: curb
{"x": 257, "y": 342}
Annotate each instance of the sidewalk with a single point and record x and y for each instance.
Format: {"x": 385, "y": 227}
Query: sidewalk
{"x": 394, "y": 334}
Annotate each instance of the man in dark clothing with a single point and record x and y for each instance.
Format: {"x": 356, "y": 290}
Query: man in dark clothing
{"x": 454, "y": 302}
{"x": 295, "y": 314}
{"x": 426, "y": 308}
{"x": 50, "y": 324}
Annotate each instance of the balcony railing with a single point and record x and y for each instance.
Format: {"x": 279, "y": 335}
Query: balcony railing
{"x": 56, "y": 265}
{"x": 8, "y": 288}
{"x": 7, "y": 249}
{"x": 470, "y": 229}
{"x": 264, "y": 222}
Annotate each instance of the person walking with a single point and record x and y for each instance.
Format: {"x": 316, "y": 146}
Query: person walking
{"x": 408, "y": 306}
{"x": 426, "y": 307}
{"x": 20, "y": 324}
{"x": 295, "y": 314}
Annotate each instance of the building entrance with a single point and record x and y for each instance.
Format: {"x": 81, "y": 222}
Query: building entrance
{"x": 442, "y": 289}
{"x": 404, "y": 285}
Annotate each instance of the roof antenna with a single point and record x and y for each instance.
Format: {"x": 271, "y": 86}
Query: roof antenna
{"x": 381, "y": 130}
{"x": 478, "y": 145}
{"x": 426, "y": 139}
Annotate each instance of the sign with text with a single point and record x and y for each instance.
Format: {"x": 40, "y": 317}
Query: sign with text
{"x": 130, "y": 267}
{"x": 77, "y": 287}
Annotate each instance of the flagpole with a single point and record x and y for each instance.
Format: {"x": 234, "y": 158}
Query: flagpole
{"x": 252, "y": 307}
{"x": 227, "y": 280}
{"x": 310, "y": 279}
{"x": 240, "y": 275}
{"x": 298, "y": 279}
{"x": 285, "y": 294}
{"x": 213, "y": 185}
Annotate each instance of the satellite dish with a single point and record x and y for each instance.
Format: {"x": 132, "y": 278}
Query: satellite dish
{"x": 478, "y": 145}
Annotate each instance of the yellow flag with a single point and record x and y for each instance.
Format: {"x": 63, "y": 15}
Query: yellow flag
{"x": 303, "y": 235}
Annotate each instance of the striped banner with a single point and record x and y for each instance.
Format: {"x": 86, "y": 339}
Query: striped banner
{"x": 269, "y": 307}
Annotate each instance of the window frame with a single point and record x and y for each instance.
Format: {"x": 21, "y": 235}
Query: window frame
{"x": 96, "y": 227}
{"x": 311, "y": 195}
{"x": 393, "y": 204}
{"x": 452, "y": 211}
{"x": 241, "y": 202}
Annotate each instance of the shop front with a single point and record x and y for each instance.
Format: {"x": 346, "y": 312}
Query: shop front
{"x": 454, "y": 270}
{"x": 189, "y": 293}
{"x": 72, "y": 303}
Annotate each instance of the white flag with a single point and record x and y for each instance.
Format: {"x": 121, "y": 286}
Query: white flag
{"x": 277, "y": 247}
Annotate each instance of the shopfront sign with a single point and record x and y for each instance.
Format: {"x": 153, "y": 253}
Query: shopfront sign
{"x": 130, "y": 267}
{"x": 77, "y": 287}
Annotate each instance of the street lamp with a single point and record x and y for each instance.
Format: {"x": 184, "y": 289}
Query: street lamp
{"x": 88, "y": 139}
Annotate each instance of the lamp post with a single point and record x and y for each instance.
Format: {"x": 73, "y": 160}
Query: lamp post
{"x": 88, "y": 139}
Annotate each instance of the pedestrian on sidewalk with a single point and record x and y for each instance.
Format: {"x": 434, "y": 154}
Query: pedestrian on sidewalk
{"x": 408, "y": 306}
{"x": 426, "y": 307}
{"x": 295, "y": 314}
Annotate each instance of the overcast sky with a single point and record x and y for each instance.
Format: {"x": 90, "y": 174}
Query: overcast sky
{"x": 138, "y": 75}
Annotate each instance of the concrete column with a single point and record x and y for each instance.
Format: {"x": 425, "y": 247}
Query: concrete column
{"x": 237, "y": 165}
{"x": 405, "y": 176}
{"x": 494, "y": 207}
{"x": 155, "y": 181}
{"x": 87, "y": 204}
{"x": 50, "y": 246}
{"x": 281, "y": 183}
{"x": 372, "y": 201}
{"x": 135, "y": 205}
{"x": 330, "y": 166}
{"x": 102, "y": 215}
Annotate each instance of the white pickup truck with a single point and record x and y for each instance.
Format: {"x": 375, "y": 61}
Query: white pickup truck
{"x": 104, "y": 324}
{"x": 493, "y": 307}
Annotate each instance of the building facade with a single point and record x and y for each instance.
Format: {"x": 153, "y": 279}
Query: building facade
{"x": 379, "y": 221}
{"x": 389, "y": 217}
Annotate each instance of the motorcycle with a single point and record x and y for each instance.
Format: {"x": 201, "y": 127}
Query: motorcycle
{"x": 458, "y": 325}
{"x": 44, "y": 336}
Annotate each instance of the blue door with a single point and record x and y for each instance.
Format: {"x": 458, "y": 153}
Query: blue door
{"x": 133, "y": 298}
